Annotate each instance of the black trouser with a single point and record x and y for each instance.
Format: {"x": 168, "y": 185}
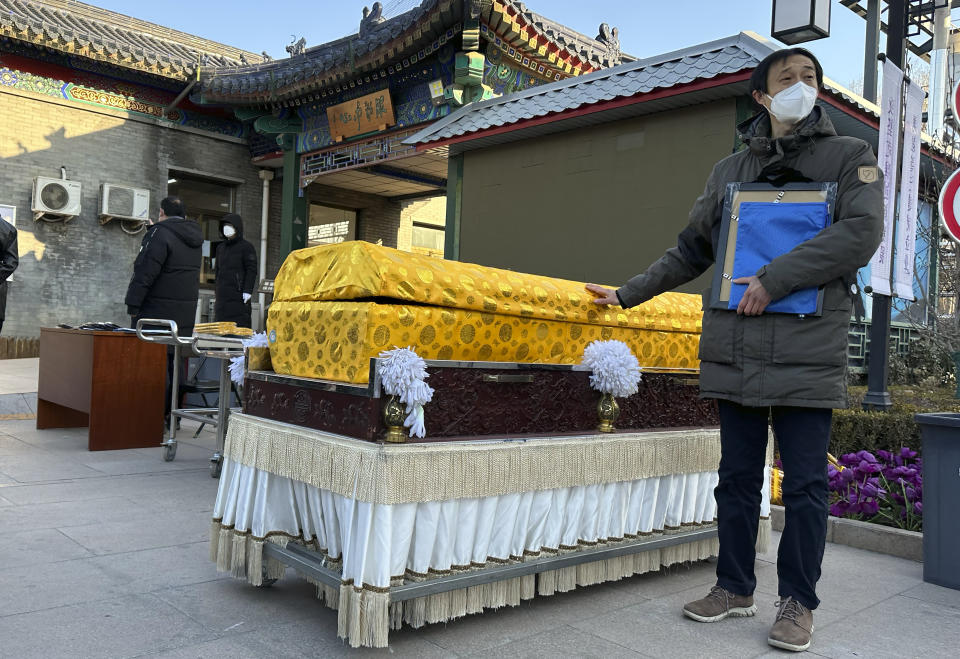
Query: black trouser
{"x": 168, "y": 387}
{"x": 803, "y": 437}
{"x": 171, "y": 350}
{"x": 3, "y": 302}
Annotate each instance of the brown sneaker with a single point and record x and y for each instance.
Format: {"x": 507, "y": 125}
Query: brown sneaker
{"x": 718, "y": 604}
{"x": 793, "y": 627}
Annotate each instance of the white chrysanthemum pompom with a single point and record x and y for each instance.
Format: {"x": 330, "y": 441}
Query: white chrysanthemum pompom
{"x": 258, "y": 340}
{"x": 615, "y": 368}
{"x": 402, "y": 373}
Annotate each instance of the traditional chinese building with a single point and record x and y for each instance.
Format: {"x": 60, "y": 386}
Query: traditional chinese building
{"x": 95, "y": 128}
{"x": 336, "y": 115}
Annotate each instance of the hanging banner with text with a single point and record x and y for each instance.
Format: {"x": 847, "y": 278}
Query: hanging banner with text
{"x": 887, "y": 159}
{"x": 906, "y": 238}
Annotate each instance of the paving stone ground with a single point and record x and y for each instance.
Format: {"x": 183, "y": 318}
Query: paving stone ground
{"x": 104, "y": 554}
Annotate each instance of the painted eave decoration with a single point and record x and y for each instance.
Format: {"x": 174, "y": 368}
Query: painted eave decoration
{"x": 383, "y": 47}
{"x": 714, "y": 62}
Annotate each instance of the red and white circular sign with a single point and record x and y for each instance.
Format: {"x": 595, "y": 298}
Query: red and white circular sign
{"x": 950, "y": 206}
{"x": 956, "y": 104}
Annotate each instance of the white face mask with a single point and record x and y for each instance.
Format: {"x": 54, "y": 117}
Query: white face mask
{"x": 229, "y": 231}
{"x": 794, "y": 103}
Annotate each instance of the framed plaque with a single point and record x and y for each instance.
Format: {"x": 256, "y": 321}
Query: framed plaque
{"x": 761, "y": 222}
{"x": 373, "y": 112}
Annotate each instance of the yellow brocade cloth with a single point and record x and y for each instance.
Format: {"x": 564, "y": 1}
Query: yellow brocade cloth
{"x": 336, "y": 306}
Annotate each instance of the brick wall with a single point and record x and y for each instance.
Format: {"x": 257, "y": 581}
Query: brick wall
{"x": 78, "y": 271}
{"x": 429, "y": 210}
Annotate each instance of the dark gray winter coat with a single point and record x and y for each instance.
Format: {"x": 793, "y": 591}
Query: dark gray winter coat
{"x": 774, "y": 358}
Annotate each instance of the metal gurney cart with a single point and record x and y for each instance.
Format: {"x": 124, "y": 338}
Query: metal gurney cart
{"x": 222, "y": 348}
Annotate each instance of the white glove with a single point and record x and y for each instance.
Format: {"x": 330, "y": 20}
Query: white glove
{"x": 414, "y": 421}
{"x": 246, "y": 297}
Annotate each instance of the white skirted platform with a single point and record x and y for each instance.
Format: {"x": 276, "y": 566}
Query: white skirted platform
{"x": 385, "y": 515}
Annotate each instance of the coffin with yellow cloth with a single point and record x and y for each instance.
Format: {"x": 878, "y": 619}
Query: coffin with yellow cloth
{"x": 336, "y": 306}
{"x": 502, "y": 347}
{"x": 428, "y": 531}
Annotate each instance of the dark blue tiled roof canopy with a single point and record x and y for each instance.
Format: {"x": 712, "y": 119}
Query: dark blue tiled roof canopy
{"x": 267, "y": 81}
{"x": 702, "y": 62}
{"x": 378, "y": 44}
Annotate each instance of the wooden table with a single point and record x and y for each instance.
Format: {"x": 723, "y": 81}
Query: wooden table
{"x": 109, "y": 381}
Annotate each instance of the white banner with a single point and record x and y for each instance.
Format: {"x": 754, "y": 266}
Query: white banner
{"x": 887, "y": 157}
{"x": 909, "y": 185}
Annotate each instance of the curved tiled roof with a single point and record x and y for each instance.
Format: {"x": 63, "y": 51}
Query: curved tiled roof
{"x": 87, "y": 31}
{"x": 705, "y": 61}
{"x": 475, "y": 125}
{"x": 377, "y": 45}
{"x": 321, "y": 65}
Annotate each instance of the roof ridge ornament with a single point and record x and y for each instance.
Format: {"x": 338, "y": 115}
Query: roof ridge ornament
{"x": 371, "y": 18}
{"x": 610, "y": 39}
{"x": 297, "y": 47}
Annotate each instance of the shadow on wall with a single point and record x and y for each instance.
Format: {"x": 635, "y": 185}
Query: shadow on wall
{"x": 77, "y": 271}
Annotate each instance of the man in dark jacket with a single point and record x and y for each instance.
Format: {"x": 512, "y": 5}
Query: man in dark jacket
{"x": 9, "y": 260}
{"x": 166, "y": 274}
{"x": 236, "y": 274}
{"x": 769, "y": 366}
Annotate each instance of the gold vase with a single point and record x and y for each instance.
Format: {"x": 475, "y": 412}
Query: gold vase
{"x": 608, "y": 411}
{"x": 393, "y": 416}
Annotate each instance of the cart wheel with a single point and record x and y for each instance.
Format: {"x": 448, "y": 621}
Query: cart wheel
{"x": 215, "y": 466}
{"x": 265, "y": 582}
{"x": 169, "y": 452}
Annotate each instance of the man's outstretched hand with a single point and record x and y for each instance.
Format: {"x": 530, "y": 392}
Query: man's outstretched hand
{"x": 755, "y": 298}
{"x": 602, "y": 295}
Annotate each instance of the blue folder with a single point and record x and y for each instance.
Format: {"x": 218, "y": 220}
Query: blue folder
{"x": 766, "y": 230}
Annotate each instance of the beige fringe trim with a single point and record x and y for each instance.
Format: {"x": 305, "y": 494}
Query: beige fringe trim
{"x": 621, "y": 567}
{"x": 365, "y": 614}
{"x": 241, "y": 554}
{"x": 406, "y": 473}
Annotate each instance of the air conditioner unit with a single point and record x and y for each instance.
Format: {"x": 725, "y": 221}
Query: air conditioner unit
{"x": 55, "y": 199}
{"x": 123, "y": 202}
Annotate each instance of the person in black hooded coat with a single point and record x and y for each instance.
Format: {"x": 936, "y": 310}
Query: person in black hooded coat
{"x": 236, "y": 274}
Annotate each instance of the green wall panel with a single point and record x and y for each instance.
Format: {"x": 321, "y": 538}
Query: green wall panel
{"x": 595, "y": 204}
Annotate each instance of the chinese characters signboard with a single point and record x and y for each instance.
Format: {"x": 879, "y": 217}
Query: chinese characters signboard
{"x": 324, "y": 234}
{"x": 366, "y": 114}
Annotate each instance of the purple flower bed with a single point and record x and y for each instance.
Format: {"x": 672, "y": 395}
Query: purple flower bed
{"x": 886, "y": 488}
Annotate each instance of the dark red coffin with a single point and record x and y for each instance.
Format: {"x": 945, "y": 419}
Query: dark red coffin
{"x": 480, "y": 400}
